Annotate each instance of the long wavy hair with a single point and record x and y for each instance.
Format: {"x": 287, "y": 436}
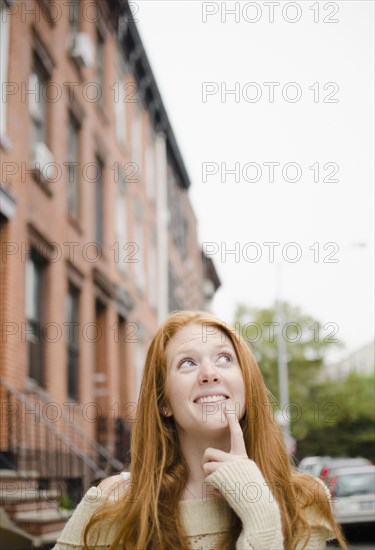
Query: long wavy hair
{"x": 148, "y": 510}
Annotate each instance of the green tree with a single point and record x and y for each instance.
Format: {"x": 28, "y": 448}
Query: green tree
{"x": 327, "y": 418}
{"x": 340, "y": 420}
{"x": 306, "y": 346}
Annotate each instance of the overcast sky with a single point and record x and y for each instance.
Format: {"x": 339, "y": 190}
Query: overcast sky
{"x": 320, "y": 119}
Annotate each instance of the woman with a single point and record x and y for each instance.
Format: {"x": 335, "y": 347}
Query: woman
{"x": 209, "y": 469}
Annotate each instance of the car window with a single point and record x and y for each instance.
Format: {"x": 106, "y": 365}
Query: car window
{"x": 355, "y": 484}
{"x": 316, "y": 469}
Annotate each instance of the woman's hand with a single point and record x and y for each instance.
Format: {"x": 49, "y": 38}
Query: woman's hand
{"x": 215, "y": 458}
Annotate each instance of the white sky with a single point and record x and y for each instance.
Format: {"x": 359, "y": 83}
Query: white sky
{"x": 184, "y": 52}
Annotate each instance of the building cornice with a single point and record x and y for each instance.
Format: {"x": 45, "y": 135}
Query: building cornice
{"x": 130, "y": 40}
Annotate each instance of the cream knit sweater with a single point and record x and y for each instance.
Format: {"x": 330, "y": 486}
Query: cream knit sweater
{"x": 207, "y": 520}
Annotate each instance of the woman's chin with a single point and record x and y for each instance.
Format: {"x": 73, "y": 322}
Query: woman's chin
{"x": 214, "y": 422}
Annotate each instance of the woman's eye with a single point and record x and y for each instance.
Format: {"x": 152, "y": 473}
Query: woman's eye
{"x": 224, "y": 358}
{"x": 186, "y": 362}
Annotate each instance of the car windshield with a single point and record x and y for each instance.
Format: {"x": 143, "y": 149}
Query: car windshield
{"x": 315, "y": 469}
{"x": 355, "y": 484}
{"x": 339, "y": 462}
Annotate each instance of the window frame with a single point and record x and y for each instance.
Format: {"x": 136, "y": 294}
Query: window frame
{"x": 35, "y": 324}
{"x": 73, "y": 162}
{"x": 100, "y": 65}
{"x": 73, "y": 347}
{"x": 99, "y": 202}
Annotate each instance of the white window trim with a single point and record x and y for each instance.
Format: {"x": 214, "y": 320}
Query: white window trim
{"x": 121, "y": 227}
{"x": 150, "y": 166}
{"x": 139, "y": 265}
{"x": 152, "y": 269}
{"x": 137, "y": 137}
{"x": 120, "y": 114}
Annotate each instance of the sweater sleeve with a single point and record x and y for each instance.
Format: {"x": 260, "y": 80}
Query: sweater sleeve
{"x": 71, "y": 537}
{"x": 249, "y": 495}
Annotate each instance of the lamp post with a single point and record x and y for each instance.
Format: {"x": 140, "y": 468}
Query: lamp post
{"x": 282, "y": 366}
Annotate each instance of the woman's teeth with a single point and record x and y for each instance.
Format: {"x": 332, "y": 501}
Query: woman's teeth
{"x": 211, "y": 399}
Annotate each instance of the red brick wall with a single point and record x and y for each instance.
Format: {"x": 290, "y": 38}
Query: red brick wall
{"x": 47, "y": 214}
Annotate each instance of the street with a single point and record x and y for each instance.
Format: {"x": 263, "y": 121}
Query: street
{"x": 359, "y": 538}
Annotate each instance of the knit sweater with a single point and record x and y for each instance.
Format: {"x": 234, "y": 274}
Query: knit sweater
{"x": 208, "y": 520}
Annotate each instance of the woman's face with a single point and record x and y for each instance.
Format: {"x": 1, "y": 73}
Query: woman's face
{"x": 203, "y": 376}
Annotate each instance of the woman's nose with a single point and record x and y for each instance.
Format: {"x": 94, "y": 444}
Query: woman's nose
{"x": 208, "y": 373}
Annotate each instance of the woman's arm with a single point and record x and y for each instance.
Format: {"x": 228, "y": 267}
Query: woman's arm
{"x": 241, "y": 482}
{"x": 248, "y": 494}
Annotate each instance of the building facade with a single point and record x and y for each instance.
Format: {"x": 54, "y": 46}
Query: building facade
{"x": 98, "y": 235}
{"x": 360, "y": 361}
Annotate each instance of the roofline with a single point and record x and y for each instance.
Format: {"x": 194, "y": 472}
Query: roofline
{"x": 135, "y": 53}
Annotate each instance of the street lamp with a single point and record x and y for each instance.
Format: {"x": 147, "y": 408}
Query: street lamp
{"x": 282, "y": 417}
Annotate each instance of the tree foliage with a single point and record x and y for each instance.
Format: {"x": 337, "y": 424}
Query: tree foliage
{"x": 327, "y": 418}
{"x": 341, "y": 419}
{"x": 305, "y": 341}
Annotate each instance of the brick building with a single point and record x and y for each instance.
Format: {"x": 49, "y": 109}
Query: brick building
{"x": 98, "y": 240}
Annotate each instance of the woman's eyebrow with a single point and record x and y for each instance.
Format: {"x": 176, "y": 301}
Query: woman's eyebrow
{"x": 186, "y": 351}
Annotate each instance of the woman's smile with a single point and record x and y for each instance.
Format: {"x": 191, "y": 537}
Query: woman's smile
{"x": 210, "y": 399}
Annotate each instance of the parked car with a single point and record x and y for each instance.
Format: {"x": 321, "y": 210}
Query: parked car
{"x": 340, "y": 462}
{"x": 353, "y": 494}
{"x": 313, "y": 464}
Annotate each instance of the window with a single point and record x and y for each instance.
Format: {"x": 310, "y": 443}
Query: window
{"x": 138, "y": 256}
{"x": 99, "y": 202}
{"x": 37, "y": 103}
{"x": 150, "y": 166}
{"x": 183, "y": 234}
{"x": 173, "y": 201}
{"x": 119, "y": 100}
{"x": 121, "y": 339}
{"x": 177, "y": 224}
{"x": 35, "y": 269}
{"x": 152, "y": 270}
{"x": 174, "y": 291}
{"x": 121, "y": 220}
{"x": 74, "y": 16}
{"x": 137, "y": 137}
{"x": 100, "y": 344}
{"x": 100, "y": 375}
{"x": 100, "y": 65}
{"x": 4, "y": 56}
{"x": 139, "y": 363}
{"x": 73, "y": 167}
{"x": 72, "y": 320}
{"x": 37, "y": 92}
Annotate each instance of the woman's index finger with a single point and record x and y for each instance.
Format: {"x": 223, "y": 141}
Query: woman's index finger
{"x": 237, "y": 443}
